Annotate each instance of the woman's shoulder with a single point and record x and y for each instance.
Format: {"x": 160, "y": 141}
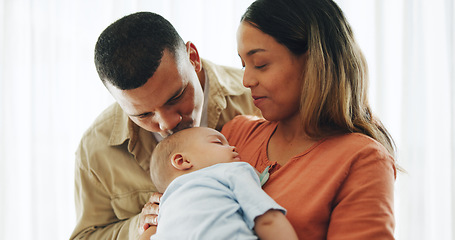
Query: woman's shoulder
{"x": 245, "y": 123}
{"x": 246, "y": 127}
{"x": 358, "y": 148}
{"x": 245, "y": 120}
{"x": 357, "y": 141}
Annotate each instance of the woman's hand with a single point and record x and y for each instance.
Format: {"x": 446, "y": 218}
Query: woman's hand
{"x": 148, "y": 216}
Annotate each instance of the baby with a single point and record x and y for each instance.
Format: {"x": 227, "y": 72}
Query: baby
{"x": 209, "y": 193}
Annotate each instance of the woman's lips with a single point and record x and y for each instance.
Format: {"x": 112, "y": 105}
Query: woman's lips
{"x": 258, "y": 100}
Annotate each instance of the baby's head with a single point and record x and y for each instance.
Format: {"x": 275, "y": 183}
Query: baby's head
{"x": 187, "y": 151}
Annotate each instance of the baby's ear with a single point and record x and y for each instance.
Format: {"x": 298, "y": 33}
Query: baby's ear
{"x": 180, "y": 162}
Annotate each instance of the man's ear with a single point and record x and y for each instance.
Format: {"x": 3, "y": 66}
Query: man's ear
{"x": 180, "y": 162}
{"x": 194, "y": 56}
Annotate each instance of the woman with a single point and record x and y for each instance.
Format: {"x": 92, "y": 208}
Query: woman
{"x": 331, "y": 161}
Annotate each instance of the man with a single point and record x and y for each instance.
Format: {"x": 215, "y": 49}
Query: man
{"x": 161, "y": 86}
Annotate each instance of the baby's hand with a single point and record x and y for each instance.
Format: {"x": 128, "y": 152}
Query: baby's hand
{"x": 148, "y": 216}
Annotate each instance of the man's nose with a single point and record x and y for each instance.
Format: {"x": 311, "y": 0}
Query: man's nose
{"x": 168, "y": 120}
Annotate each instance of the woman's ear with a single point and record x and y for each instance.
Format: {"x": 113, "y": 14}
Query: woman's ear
{"x": 194, "y": 56}
{"x": 180, "y": 162}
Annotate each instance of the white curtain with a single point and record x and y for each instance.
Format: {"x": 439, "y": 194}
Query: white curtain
{"x": 50, "y": 93}
{"x": 410, "y": 47}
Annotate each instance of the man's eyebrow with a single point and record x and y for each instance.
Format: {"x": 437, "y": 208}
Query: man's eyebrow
{"x": 176, "y": 93}
{"x": 138, "y": 115}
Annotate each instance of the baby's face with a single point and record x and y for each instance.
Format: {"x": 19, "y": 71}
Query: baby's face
{"x": 208, "y": 147}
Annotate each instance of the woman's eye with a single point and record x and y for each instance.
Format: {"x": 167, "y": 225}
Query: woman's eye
{"x": 261, "y": 66}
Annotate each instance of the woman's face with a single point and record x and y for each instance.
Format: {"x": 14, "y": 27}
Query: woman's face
{"x": 272, "y": 72}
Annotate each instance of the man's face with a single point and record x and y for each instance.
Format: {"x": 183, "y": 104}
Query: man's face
{"x": 170, "y": 101}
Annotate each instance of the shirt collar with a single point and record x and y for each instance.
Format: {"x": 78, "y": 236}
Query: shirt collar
{"x": 123, "y": 128}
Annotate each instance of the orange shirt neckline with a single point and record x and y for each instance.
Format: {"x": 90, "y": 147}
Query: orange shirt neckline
{"x": 274, "y": 165}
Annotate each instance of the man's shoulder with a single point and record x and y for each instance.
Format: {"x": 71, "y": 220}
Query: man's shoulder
{"x": 222, "y": 69}
{"x": 104, "y": 121}
{"x": 228, "y": 78}
{"x": 96, "y": 144}
{"x": 110, "y": 128}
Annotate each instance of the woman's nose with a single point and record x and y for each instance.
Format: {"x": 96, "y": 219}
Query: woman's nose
{"x": 249, "y": 80}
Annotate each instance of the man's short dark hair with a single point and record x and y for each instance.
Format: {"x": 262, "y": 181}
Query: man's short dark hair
{"x": 129, "y": 51}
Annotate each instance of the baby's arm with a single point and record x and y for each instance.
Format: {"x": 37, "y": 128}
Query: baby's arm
{"x": 274, "y": 225}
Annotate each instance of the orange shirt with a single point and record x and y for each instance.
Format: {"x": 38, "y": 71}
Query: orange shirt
{"x": 340, "y": 188}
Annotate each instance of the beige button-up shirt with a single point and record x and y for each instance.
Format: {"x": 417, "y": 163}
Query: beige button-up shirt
{"x": 112, "y": 181}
